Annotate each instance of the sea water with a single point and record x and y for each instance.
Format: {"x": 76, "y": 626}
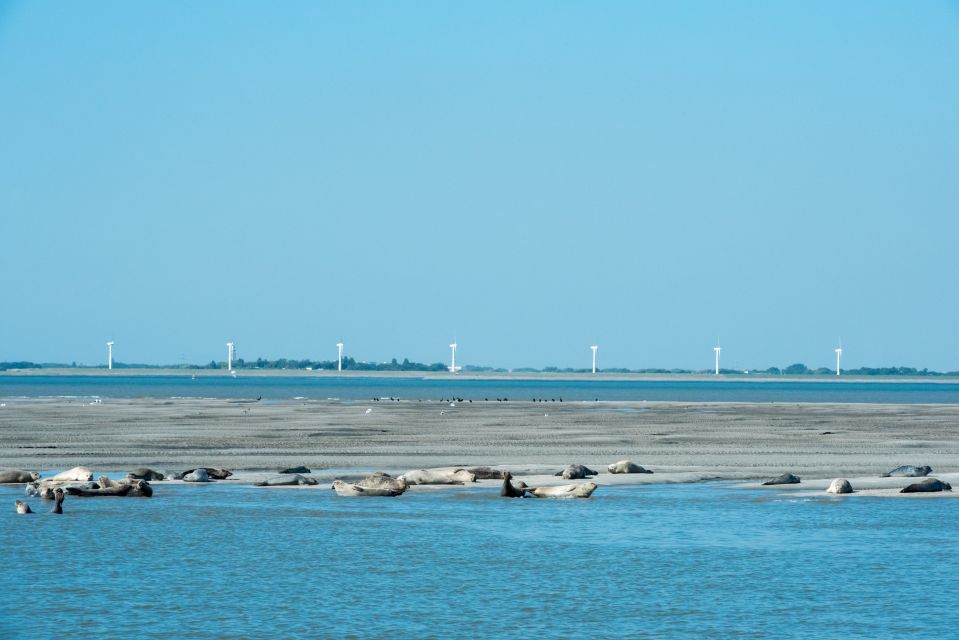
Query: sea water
{"x": 654, "y": 561}
{"x": 364, "y": 388}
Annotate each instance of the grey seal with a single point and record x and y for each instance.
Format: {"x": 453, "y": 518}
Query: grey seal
{"x": 58, "y": 497}
{"x": 908, "y": 471}
{"x": 23, "y": 507}
{"x": 18, "y": 476}
{"x": 212, "y": 473}
{"x": 929, "y": 485}
{"x": 380, "y": 480}
{"x": 626, "y": 466}
{"x": 285, "y": 481}
{"x": 196, "y": 475}
{"x": 839, "y": 485}
{"x": 108, "y": 488}
{"x": 576, "y": 472}
{"x": 488, "y": 473}
{"x": 786, "y": 478}
{"x": 509, "y": 491}
{"x": 145, "y": 473}
{"x": 300, "y": 469}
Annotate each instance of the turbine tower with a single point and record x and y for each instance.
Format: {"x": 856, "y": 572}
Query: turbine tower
{"x": 110, "y": 355}
{"x": 717, "y": 349}
{"x": 339, "y": 356}
{"x": 594, "y": 348}
{"x": 453, "y": 367}
{"x": 229, "y": 356}
{"x": 838, "y": 357}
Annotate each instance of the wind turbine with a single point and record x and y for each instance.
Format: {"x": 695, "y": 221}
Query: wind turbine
{"x": 229, "y": 356}
{"x": 339, "y": 356}
{"x": 453, "y": 367}
{"x": 717, "y": 349}
{"x": 594, "y": 348}
{"x": 110, "y": 355}
{"x": 838, "y": 356}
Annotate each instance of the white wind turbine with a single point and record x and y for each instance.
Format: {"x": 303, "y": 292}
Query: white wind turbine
{"x": 838, "y": 356}
{"x": 110, "y": 355}
{"x": 594, "y": 348}
{"x": 717, "y": 349}
{"x": 453, "y": 367}
{"x": 229, "y": 356}
{"x": 339, "y": 356}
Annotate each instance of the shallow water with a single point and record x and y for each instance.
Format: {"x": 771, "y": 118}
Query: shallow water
{"x": 365, "y": 388}
{"x": 679, "y": 561}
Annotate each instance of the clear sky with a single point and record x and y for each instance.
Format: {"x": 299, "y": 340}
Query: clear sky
{"x": 531, "y": 177}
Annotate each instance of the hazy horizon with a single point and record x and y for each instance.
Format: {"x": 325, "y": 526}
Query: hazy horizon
{"x": 526, "y": 179}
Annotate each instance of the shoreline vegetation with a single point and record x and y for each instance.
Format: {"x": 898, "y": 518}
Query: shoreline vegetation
{"x": 406, "y": 368}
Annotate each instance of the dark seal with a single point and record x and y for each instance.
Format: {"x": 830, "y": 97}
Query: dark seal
{"x": 929, "y": 485}
{"x": 786, "y": 478}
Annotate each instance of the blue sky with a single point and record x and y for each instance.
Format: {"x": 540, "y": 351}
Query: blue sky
{"x": 532, "y": 178}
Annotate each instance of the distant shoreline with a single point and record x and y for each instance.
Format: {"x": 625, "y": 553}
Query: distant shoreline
{"x": 477, "y": 375}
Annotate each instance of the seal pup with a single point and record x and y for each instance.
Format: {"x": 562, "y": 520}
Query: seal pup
{"x": 626, "y": 466}
{"x": 509, "y": 491}
{"x": 786, "y": 478}
{"x": 18, "y": 476}
{"x": 76, "y": 474}
{"x": 144, "y": 473}
{"x": 23, "y": 507}
{"x": 839, "y": 485}
{"x": 908, "y": 471}
{"x": 576, "y": 472}
{"x": 58, "y": 496}
{"x": 929, "y": 485}
{"x": 583, "y": 490}
{"x": 355, "y": 490}
{"x": 288, "y": 480}
{"x": 438, "y": 476}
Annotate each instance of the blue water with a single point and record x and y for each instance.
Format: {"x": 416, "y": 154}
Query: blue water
{"x": 677, "y": 561}
{"x": 362, "y": 388}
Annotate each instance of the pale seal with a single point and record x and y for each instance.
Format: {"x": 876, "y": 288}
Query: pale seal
{"x": 380, "y": 480}
{"x": 908, "y": 471}
{"x": 438, "y": 476}
{"x": 23, "y": 507}
{"x": 786, "y": 478}
{"x": 76, "y": 474}
{"x": 289, "y": 480}
{"x": 196, "y": 475}
{"x": 576, "y": 472}
{"x": 626, "y": 466}
{"x": 355, "y": 490}
{"x": 929, "y": 485}
{"x": 584, "y": 490}
{"x": 839, "y": 485}
{"x": 18, "y": 476}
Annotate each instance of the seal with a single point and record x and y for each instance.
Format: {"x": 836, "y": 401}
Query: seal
{"x": 908, "y": 471}
{"x": 58, "y": 497}
{"x": 145, "y": 473}
{"x": 584, "y": 490}
{"x": 509, "y": 491}
{"x": 18, "y": 476}
{"x": 196, "y": 475}
{"x": 106, "y": 487}
{"x": 300, "y": 469}
{"x": 76, "y": 474}
{"x": 839, "y": 485}
{"x": 380, "y": 480}
{"x": 216, "y": 474}
{"x": 23, "y": 507}
{"x": 626, "y": 466}
{"x": 355, "y": 490}
{"x": 576, "y": 472}
{"x": 438, "y": 476}
{"x": 929, "y": 485}
{"x": 285, "y": 481}
{"x": 786, "y": 478}
{"x": 488, "y": 473}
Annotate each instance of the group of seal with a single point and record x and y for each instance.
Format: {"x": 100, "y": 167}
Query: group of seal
{"x": 23, "y": 507}
{"x": 843, "y": 486}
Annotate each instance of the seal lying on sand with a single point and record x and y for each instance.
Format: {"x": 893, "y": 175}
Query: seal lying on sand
{"x": 197, "y": 475}
{"x": 23, "y": 507}
{"x": 76, "y": 474}
{"x": 786, "y": 478}
{"x": 215, "y": 474}
{"x": 438, "y": 476}
{"x": 509, "y": 491}
{"x": 487, "y": 473}
{"x": 929, "y": 485}
{"x": 18, "y": 476}
{"x": 144, "y": 473}
{"x": 839, "y": 485}
{"x": 46, "y": 489}
{"x": 380, "y": 480}
{"x": 908, "y": 471}
{"x": 109, "y": 488}
{"x": 625, "y": 466}
{"x": 285, "y": 481}
{"x": 300, "y": 469}
{"x": 348, "y": 489}
{"x": 584, "y": 490}
{"x": 576, "y": 472}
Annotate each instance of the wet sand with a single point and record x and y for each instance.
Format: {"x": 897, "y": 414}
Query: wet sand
{"x": 679, "y": 441}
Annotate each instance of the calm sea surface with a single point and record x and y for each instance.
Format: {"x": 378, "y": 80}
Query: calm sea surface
{"x": 667, "y": 561}
{"x": 350, "y": 388}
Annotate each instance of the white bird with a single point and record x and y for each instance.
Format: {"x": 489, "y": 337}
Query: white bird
{"x": 369, "y": 411}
